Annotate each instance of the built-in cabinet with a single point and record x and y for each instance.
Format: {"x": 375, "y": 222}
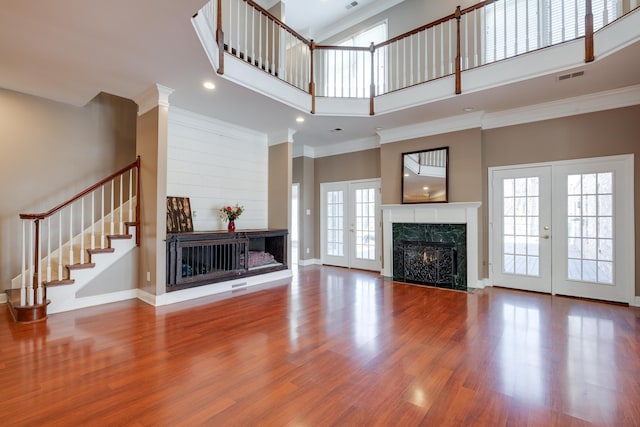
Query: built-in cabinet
{"x": 200, "y": 258}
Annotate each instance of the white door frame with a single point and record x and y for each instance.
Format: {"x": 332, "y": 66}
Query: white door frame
{"x": 625, "y": 222}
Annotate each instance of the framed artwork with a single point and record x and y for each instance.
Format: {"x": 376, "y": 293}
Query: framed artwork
{"x": 425, "y": 176}
{"x": 179, "y": 215}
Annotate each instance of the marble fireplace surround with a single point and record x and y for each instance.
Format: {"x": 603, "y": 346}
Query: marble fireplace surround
{"x": 436, "y": 213}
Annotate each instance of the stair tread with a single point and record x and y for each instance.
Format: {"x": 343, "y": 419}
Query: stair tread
{"x": 81, "y": 266}
{"x": 119, "y": 236}
{"x": 60, "y": 282}
{"x": 101, "y": 250}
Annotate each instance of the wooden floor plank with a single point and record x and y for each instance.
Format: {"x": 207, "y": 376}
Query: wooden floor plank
{"x": 329, "y": 347}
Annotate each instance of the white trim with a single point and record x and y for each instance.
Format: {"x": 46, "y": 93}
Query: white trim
{"x": 212, "y": 289}
{"x": 3, "y": 298}
{"x": 434, "y": 127}
{"x": 303, "y": 151}
{"x": 156, "y": 95}
{"x": 306, "y": 262}
{"x": 636, "y": 302}
{"x": 480, "y": 284}
{"x": 279, "y": 137}
{"x": 346, "y": 147}
{"x": 607, "y": 100}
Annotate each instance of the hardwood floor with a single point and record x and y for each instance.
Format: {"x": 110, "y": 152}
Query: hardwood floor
{"x": 330, "y": 347}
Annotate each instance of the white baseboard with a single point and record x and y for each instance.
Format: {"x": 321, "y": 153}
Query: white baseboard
{"x": 213, "y": 289}
{"x": 312, "y": 261}
{"x": 480, "y": 284}
{"x": 636, "y": 302}
{"x": 68, "y": 303}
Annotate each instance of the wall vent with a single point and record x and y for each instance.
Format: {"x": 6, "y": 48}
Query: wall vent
{"x": 351, "y": 5}
{"x": 570, "y": 75}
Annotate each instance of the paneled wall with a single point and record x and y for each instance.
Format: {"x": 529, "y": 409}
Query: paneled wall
{"x": 217, "y": 164}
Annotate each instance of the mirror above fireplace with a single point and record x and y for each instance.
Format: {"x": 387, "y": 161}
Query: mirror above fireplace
{"x": 425, "y": 175}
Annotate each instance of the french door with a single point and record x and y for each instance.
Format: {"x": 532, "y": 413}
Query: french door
{"x": 563, "y": 228}
{"x": 350, "y": 224}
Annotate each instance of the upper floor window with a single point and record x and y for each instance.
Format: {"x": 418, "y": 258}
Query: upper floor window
{"x": 513, "y": 27}
{"x": 349, "y": 72}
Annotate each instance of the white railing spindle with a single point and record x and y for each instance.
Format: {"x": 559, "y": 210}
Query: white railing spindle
{"x": 120, "y": 207}
{"x": 102, "y": 216}
{"x": 60, "y": 245}
{"x": 130, "y": 195}
{"x": 93, "y": 221}
{"x": 31, "y": 266}
{"x": 82, "y": 231}
{"x": 71, "y": 235}
{"x": 113, "y": 208}
{"x": 49, "y": 249}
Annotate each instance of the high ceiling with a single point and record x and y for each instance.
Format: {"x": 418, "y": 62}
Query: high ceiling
{"x": 70, "y": 50}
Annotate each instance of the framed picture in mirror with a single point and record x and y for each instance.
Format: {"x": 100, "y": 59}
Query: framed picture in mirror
{"x": 425, "y": 176}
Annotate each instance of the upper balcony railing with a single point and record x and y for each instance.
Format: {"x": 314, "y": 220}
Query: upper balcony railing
{"x": 468, "y": 38}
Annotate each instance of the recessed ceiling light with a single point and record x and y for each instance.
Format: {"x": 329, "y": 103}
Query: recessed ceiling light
{"x": 425, "y": 188}
{"x": 300, "y": 119}
{"x": 468, "y": 109}
{"x": 209, "y": 85}
{"x": 406, "y": 174}
{"x": 379, "y": 128}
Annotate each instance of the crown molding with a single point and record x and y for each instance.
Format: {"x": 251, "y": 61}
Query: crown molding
{"x": 345, "y": 147}
{"x": 155, "y": 96}
{"x": 276, "y": 138}
{"x": 434, "y": 127}
{"x": 600, "y": 101}
{"x": 303, "y": 151}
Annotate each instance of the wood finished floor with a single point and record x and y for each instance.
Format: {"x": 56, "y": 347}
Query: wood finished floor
{"x": 330, "y": 347}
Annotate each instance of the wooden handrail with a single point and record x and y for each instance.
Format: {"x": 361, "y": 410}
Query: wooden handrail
{"x": 40, "y": 216}
{"x": 351, "y": 48}
{"x": 416, "y": 30}
{"x": 278, "y": 22}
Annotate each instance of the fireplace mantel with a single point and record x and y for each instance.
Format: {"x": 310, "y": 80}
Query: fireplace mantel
{"x": 433, "y": 213}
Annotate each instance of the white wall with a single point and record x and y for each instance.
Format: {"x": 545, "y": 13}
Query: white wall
{"x": 216, "y": 164}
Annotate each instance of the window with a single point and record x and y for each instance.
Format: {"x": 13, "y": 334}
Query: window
{"x": 513, "y": 27}
{"x": 349, "y": 72}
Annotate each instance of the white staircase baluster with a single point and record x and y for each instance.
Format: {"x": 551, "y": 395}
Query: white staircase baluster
{"x": 246, "y": 51}
{"x": 260, "y": 40}
{"x": 48, "y": 249}
{"x": 82, "y": 231}
{"x": 441, "y": 50}
{"x": 70, "y": 234}
{"x": 411, "y": 60}
{"x": 113, "y": 201}
{"x": 274, "y": 65}
{"x": 130, "y": 195}
{"x": 253, "y": 35}
{"x": 120, "y": 220}
{"x": 433, "y": 52}
{"x": 238, "y": 29}
{"x": 23, "y": 277}
{"x": 102, "y": 215}
{"x": 37, "y": 285}
{"x": 605, "y": 13}
{"x": 93, "y": 220}
{"x": 60, "y": 245}
{"x": 450, "y": 59}
{"x": 418, "y": 50}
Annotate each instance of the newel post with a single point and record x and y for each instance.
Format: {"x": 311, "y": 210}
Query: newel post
{"x": 588, "y": 32}
{"x": 312, "y": 83}
{"x": 138, "y": 201}
{"x": 458, "y": 71}
{"x": 372, "y": 87}
{"x": 220, "y": 39}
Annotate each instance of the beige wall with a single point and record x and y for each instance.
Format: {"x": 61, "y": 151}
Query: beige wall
{"x": 280, "y": 180}
{"x": 344, "y": 167}
{"x": 465, "y": 167}
{"x": 52, "y": 151}
{"x": 152, "y": 141}
{"x": 598, "y": 134}
{"x": 303, "y": 174}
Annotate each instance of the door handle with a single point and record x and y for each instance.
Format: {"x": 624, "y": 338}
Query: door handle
{"x": 545, "y": 236}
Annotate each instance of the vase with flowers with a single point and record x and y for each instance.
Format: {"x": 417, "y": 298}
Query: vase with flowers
{"x": 230, "y": 214}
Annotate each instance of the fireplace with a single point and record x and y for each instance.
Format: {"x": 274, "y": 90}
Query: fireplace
{"x": 430, "y": 254}
{"x": 442, "y": 223}
{"x": 429, "y": 263}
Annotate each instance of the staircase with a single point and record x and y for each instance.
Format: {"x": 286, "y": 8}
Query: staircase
{"x": 61, "y": 254}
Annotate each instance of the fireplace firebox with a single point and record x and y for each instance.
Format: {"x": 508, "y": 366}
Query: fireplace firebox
{"x": 430, "y": 263}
